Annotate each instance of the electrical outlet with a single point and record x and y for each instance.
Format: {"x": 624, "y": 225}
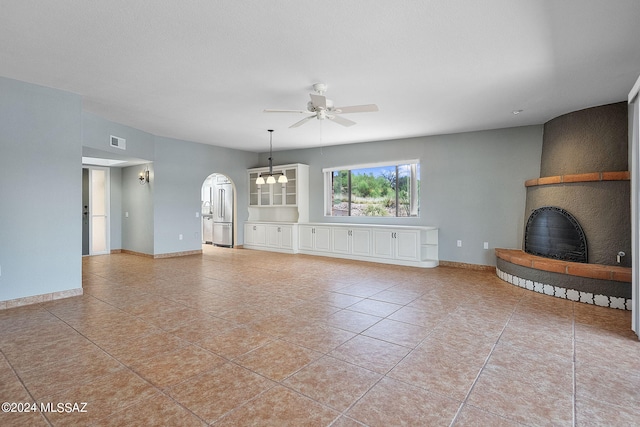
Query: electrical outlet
{"x": 459, "y": 243}
{"x": 486, "y": 245}
{"x": 197, "y": 214}
{"x": 179, "y": 236}
{"x": 126, "y": 214}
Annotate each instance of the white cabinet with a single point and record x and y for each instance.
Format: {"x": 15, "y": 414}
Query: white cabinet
{"x": 407, "y": 245}
{"x": 277, "y": 194}
{"x": 254, "y": 234}
{"x": 314, "y": 238}
{"x": 269, "y": 236}
{"x": 280, "y": 202}
{"x": 397, "y": 244}
{"x": 351, "y": 241}
{"x": 279, "y": 236}
{"x": 401, "y": 245}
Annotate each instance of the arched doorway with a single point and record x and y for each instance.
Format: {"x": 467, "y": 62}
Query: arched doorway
{"x": 218, "y": 211}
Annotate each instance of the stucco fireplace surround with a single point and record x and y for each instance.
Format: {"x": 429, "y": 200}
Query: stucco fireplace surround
{"x": 584, "y": 171}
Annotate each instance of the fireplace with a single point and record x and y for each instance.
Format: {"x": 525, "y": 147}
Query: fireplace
{"x": 583, "y": 172}
{"x": 553, "y": 232}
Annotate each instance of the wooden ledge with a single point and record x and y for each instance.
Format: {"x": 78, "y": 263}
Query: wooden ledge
{"x": 579, "y": 177}
{"x": 592, "y": 271}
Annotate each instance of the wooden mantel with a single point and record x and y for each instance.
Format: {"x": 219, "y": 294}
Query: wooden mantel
{"x": 579, "y": 177}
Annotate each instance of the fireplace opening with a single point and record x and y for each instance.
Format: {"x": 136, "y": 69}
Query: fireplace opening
{"x": 552, "y": 232}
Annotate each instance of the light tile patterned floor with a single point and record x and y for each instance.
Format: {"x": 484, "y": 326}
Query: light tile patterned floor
{"x": 239, "y": 337}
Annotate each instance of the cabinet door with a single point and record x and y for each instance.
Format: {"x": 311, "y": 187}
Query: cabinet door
{"x": 383, "y": 243}
{"x": 254, "y": 194}
{"x": 290, "y": 188}
{"x": 322, "y": 239}
{"x": 265, "y": 194}
{"x": 272, "y": 235}
{"x": 277, "y": 189}
{"x": 407, "y": 245}
{"x": 341, "y": 240}
{"x": 259, "y": 235}
{"x": 305, "y": 237}
{"x": 361, "y": 241}
{"x": 248, "y": 234}
{"x": 286, "y": 236}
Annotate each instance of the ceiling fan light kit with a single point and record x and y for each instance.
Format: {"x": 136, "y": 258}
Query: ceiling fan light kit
{"x": 322, "y": 108}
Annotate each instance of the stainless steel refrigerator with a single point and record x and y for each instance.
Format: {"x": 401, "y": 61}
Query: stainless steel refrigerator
{"x": 223, "y": 214}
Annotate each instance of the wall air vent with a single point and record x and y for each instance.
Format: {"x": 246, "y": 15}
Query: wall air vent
{"x": 118, "y": 142}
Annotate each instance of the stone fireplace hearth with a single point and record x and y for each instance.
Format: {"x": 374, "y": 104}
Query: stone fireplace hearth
{"x": 584, "y": 172}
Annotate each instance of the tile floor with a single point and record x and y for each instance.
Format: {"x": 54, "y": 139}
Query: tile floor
{"x": 240, "y": 337}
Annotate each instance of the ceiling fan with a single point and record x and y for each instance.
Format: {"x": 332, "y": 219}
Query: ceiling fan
{"x": 322, "y": 108}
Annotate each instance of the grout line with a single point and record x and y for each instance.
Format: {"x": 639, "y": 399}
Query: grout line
{"x": 161, "y": 293}
{"x": 486, "y": 360}
{"x": 127, "y": 367}
{"x": 13, "y": 369}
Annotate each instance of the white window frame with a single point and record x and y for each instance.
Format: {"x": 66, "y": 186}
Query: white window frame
{"x": 328, "y": 183}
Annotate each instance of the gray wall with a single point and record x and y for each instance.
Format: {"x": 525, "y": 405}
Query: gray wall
{"x": 137, "y": 200}
{"x": 116, "y": 208}
{"x": 40, "y": 190}
{"x": 96, "y": 133}
{"x": 43, "y": 135}
{"x": 136, "y": 232}
{"x": 180, "y": 169}
{"x": 166, "y": 207}
{"x": 472, "y": 185}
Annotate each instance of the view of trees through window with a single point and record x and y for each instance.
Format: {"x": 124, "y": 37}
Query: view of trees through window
{"x": 376, "y": 191}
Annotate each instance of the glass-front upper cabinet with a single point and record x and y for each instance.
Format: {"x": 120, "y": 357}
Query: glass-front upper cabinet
{"x": 290, "y": 187}
{"x": 254, "y": 191}
{"x": 278, "y": 194}
{"x": 277, "y": 189}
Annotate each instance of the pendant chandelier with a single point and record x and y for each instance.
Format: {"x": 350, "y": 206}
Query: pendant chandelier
{"x": 270, "y": 177}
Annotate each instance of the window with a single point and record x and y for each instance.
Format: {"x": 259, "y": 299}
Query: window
{"x": 389, "y": 189}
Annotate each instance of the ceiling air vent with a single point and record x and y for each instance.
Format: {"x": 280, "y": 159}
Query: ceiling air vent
{"x": 118, "y": 142}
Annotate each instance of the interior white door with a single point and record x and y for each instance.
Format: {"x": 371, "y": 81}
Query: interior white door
{"x": 99, "y": 194}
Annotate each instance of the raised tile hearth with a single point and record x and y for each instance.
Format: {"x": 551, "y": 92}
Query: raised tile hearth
{"x": 602, "y": 285}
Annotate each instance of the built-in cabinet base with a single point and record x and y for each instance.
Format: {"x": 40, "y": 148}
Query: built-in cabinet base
{"x": 400, "y": 245}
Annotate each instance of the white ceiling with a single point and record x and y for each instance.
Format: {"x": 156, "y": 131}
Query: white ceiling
{"x": 204, "y": 70}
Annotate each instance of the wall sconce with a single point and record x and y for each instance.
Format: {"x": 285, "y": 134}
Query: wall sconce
{"x": 143, "y": 177}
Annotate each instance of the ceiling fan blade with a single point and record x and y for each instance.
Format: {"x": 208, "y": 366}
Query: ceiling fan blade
{"x": 301, "y": 122}
{"x": 319, "y": 101}
{"x": 341, "y": 120}
{"x": 287, "y": 111}
{"x": 368, "y": 108}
